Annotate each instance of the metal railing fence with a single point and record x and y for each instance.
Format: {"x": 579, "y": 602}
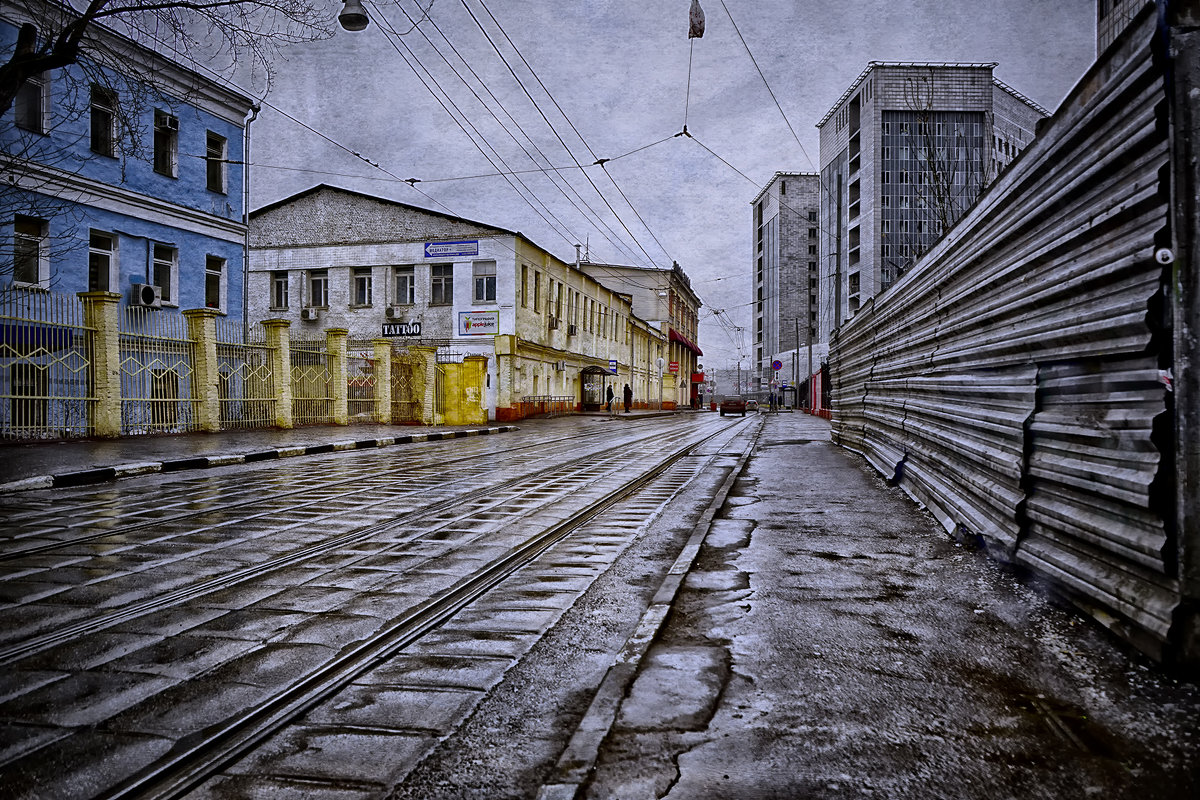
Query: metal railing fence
{"x": 246, "y": 387}
{"x": 360, "y": 379}
{"x": 46, "y": 390}
{"x": 156, "y": 373}
{"x": 312, "y": 382}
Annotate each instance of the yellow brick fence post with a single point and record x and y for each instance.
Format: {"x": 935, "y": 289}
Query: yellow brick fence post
{"x": 425, "y": 359}
{"x": 279, "y": 343}
{"x": 335, "y": 345}
{"x": 206, "y": 371}
{"x": 383, "y": 381}
{"x": 101, "y": 314}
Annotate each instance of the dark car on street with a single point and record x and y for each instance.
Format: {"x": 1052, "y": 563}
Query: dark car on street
{"x": 733, "y": 405}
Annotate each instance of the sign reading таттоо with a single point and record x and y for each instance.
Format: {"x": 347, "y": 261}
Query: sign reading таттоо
{"x": 402, "y": 328}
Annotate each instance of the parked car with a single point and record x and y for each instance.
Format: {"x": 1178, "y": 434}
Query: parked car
{"x": 733, "y": 405}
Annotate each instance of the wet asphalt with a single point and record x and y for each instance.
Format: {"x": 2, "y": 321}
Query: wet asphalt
{"x": 831, "y": 641}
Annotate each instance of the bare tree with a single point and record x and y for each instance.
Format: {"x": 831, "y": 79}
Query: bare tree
{"x": 210, "y": 29}
{"x": 77, "y": 51}
{"x": 947, "y": 165}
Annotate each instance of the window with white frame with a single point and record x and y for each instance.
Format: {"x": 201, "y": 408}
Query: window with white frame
{"x": 31, "y": 106}
{"x": 102, "y": 257}
{"x": 406, "y": 286}
{"x": 318, "y": 288}
{"x": 216, "y": 160}
{"x": 165, "y": 259}
{"x": 30, "y": 256}
{"x": 279, "y": 289}
{"x": 103, "y": 111}
{"x": 484, "y": 273}
{"x": 441, "y": 277}
{"x": 214, "y": 282}
{"x": 166, "y": 144}
{"x": 360, "y": 288}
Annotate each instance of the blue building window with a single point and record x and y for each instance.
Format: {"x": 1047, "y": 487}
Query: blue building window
{"x": 29, "y": 250}
{"x": 166, "y": 144}
{"x": 102, "y": 255}
{"x": 31, "y": 105}
{"x": 214, "y": 282}
{"x": 104, "y": 121}
{"x": 165, "y": 258}
{"x": 216, "y": 159}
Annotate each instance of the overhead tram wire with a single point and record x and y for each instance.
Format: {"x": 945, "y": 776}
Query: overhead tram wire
{"x": 598, "y": 161}
{"x": 310, "y": 171}
{"x": 395, "y": 42}
{"x": 547, "y": 120}
{"x": 753, "y": 60}
{"x": 263, "y": 101}
{"x": 549, "y": 170}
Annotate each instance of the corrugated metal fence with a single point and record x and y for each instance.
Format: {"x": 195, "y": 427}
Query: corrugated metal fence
{"x": 1011, "y": 381}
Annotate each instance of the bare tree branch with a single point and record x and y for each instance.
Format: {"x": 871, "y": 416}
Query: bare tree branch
{"x": 243, "y": 28}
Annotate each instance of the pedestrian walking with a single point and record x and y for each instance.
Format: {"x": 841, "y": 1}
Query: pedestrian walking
{"x": 628, "y": 398}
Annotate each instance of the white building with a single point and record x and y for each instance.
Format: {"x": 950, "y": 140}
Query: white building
{"x": 332, "y": 258}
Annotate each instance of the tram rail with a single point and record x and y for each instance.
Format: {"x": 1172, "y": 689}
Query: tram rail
{"x": 197, "y": 759}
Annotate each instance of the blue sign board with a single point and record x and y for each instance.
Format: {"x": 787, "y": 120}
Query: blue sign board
{"x": 468, "y": 247}
{"x": 612, "y": 366}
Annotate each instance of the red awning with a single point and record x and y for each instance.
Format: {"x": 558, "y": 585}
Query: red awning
{"x": 675, "y": 336}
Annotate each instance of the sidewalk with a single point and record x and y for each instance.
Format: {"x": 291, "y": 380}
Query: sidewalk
{"x": 75, "y": 462}
{"x": 44, "y": 465}
{"x": 831, "y": 641}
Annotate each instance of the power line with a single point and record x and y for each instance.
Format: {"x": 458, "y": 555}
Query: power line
{"x": 550, "y": 175}
{"x": 550, "y": 124}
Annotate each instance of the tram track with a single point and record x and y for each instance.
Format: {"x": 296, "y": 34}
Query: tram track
{"x": 432, "y": 462}
{"x": 192, "y": 762}
{"x": 417, "y": 521}
{"x": 195, "y": 759}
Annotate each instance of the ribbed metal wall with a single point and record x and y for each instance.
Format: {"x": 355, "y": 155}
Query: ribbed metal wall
{"x": 1010, "y": 381}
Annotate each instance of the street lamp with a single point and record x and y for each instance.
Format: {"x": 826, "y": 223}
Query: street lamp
{"x": 354, "y": 16}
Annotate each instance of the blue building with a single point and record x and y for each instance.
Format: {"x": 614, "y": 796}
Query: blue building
{"x": 124, "y": 173}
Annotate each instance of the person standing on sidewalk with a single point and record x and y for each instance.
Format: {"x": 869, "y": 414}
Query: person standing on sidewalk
{"x": 608, "y": 398}
{"x": 628, "y": 398}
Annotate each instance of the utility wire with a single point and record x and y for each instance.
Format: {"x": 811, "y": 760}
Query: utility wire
{"x": 575, "y": 130}
{"x": 554, "y": 130}
{"x": 396, "y": 44}
{"x": 548, "y": 170}
{"x": 765, "y": 83}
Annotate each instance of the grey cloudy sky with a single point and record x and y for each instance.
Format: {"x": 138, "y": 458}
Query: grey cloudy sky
{"x": 619, "y": 71}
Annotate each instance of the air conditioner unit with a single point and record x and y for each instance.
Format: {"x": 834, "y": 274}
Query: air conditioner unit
{"x": 554, "y": 323}
{"x": 392, "y": 312}
{"x": 571, "y": 330}
{"x": 146, "y": 296}
{"x": 310, "y": 314}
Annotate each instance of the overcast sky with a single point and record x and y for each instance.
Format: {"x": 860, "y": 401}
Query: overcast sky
{"x": 619, "y": 72}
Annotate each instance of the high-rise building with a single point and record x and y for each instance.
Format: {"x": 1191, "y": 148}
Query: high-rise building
{"x": 905, "y": 152}
{"x": 785, "y": 247}
{"x": 1111, "y": 18}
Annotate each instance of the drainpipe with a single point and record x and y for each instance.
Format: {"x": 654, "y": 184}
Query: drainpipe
{"x": 254, "y": 109}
